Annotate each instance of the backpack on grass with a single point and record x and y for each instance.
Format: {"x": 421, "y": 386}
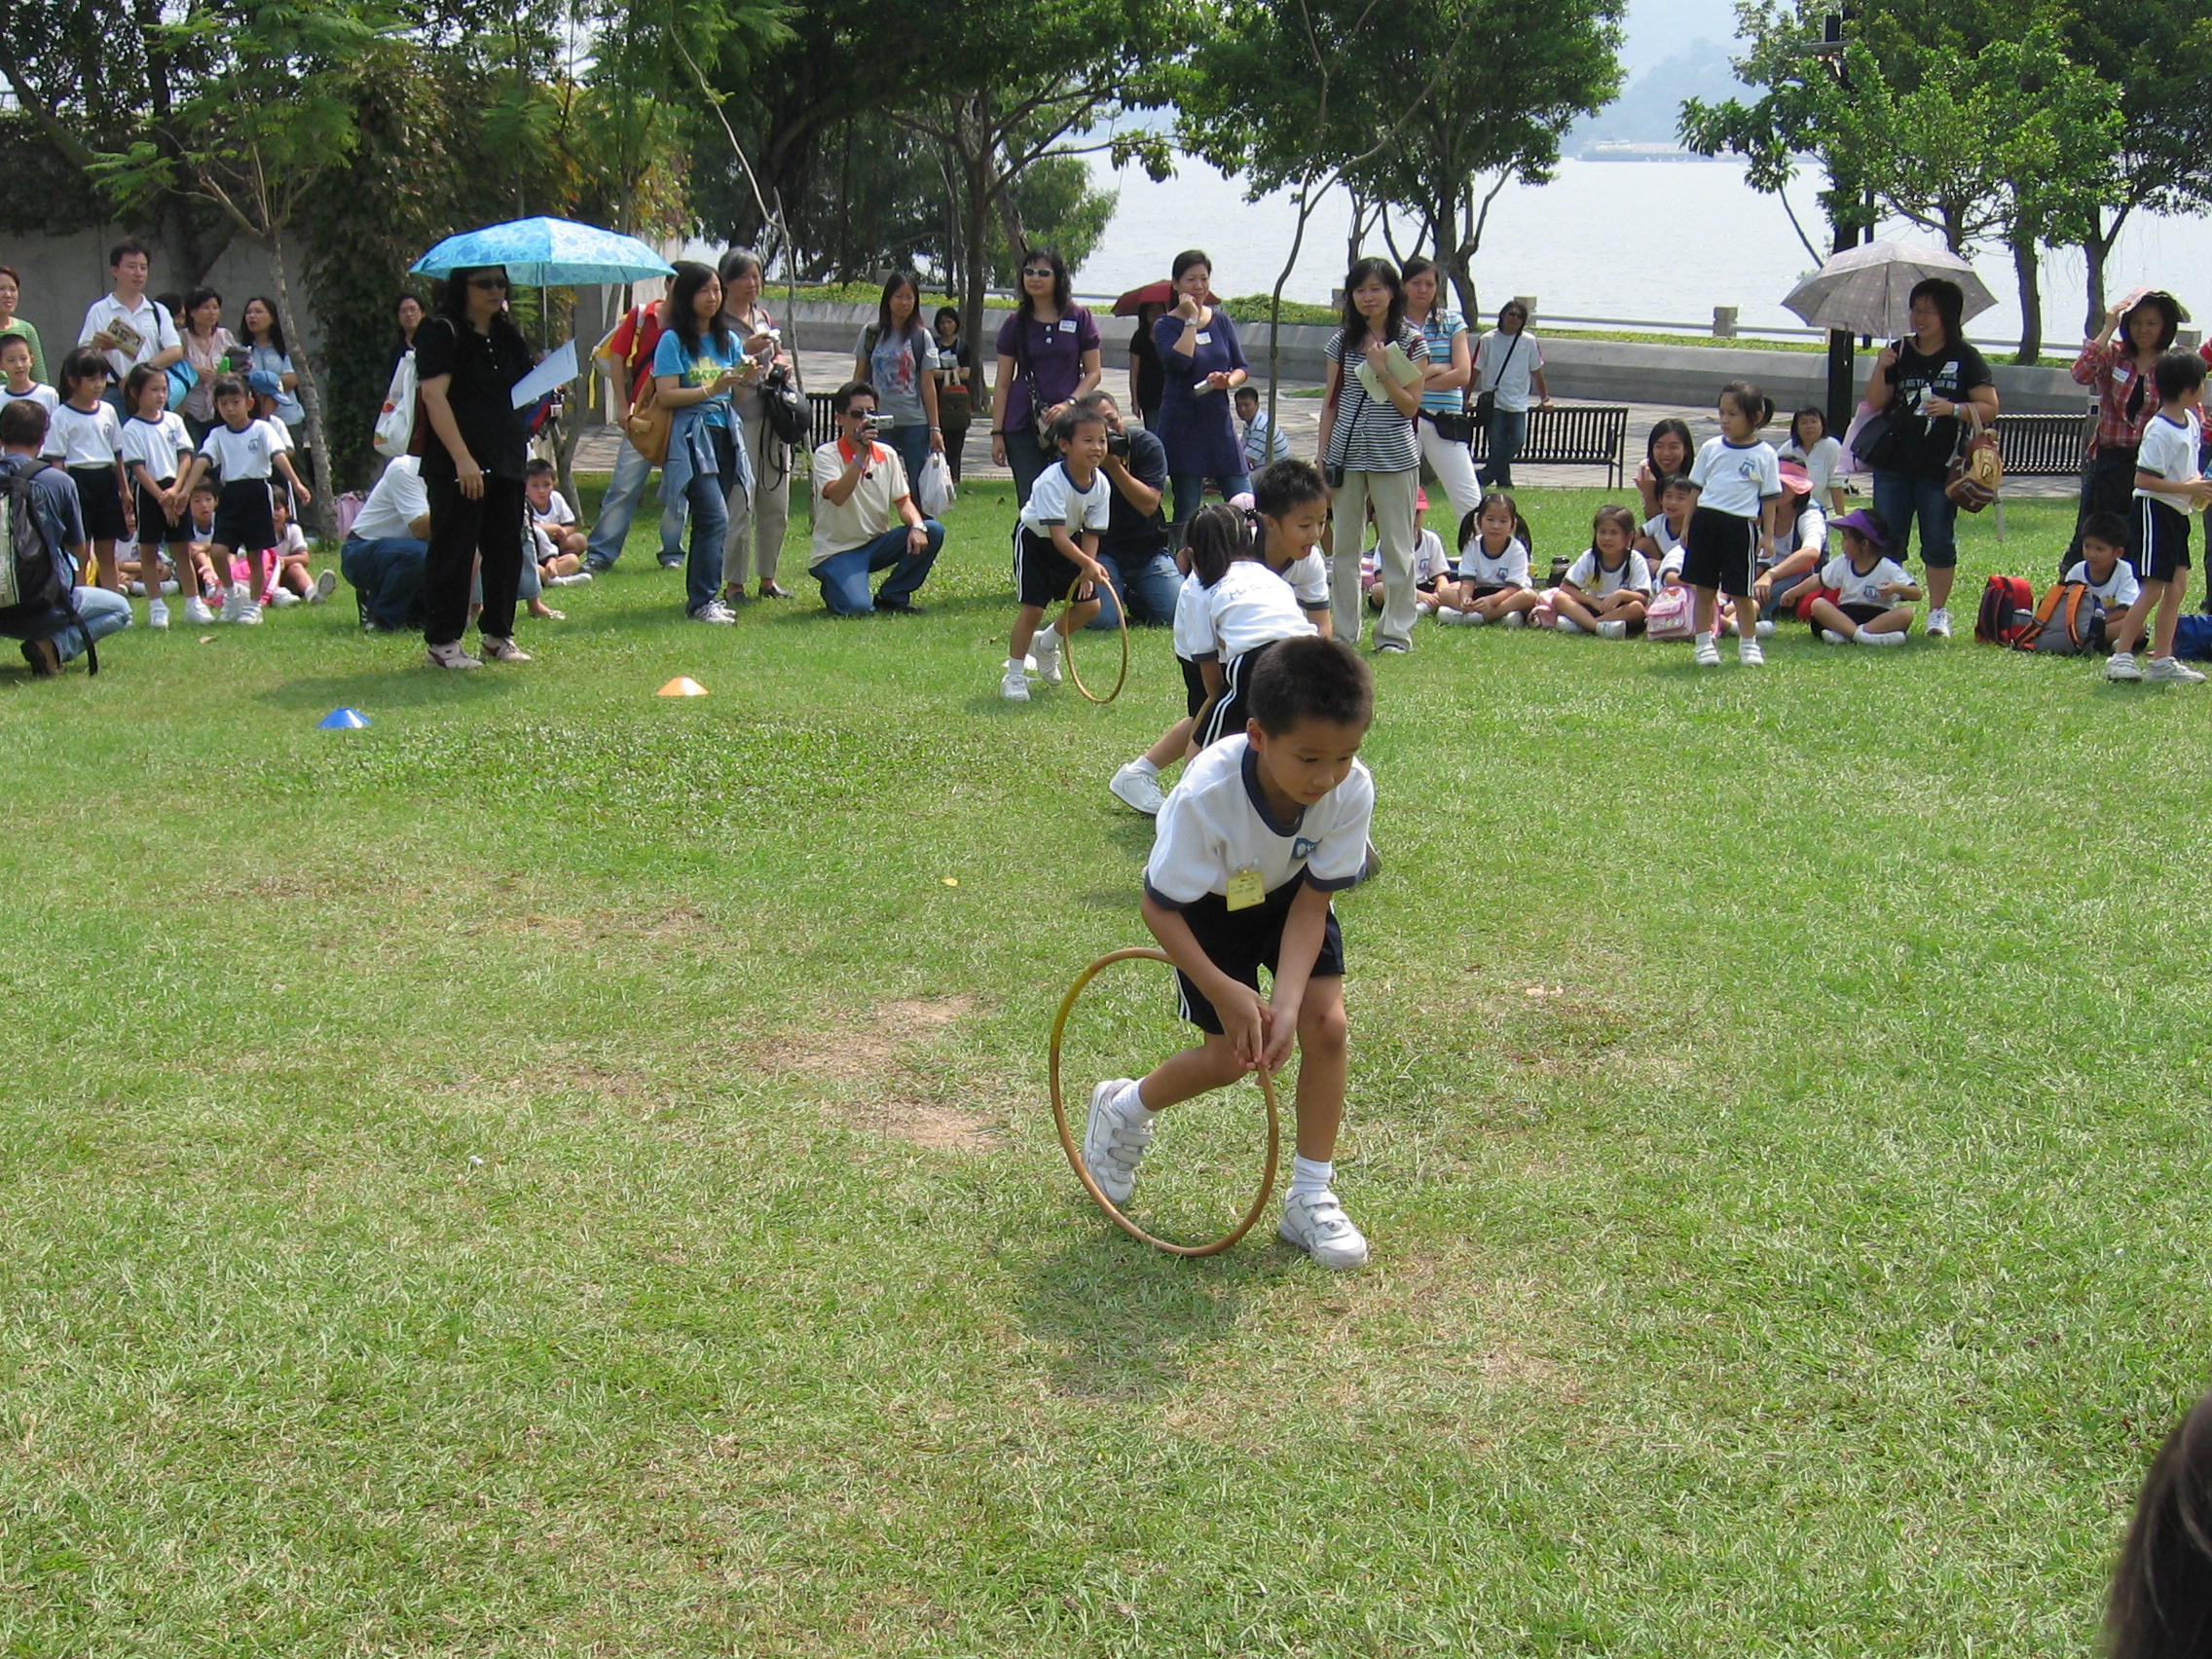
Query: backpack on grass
{"x": 2192, "y": 634}
{"x": 36, "y": 592}
{"x": 2067, "y": 623}
{"x": 2008, "y": 611}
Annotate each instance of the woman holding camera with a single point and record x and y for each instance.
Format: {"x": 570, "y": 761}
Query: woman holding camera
{"x": 1201, "y": 364}
{"x": 759, "y": 516}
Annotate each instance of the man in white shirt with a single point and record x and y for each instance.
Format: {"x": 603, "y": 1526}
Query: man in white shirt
{"x": 865, "y": 517}
{"x": 385, "y": 550}
{"x": 127, "y": 327}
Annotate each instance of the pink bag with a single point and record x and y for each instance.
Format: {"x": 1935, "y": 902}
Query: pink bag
{"x": 1670, "y": 615}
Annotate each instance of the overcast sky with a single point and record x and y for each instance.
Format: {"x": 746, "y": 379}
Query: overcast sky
{"x": 1657, "y": 29}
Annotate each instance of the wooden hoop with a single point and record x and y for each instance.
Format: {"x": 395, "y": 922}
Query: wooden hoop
{"x": 1067, "y": 652}
{"x": 1075, "y": 1152}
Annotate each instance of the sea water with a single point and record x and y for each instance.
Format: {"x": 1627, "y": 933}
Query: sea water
{"x": 1644, "y": 240}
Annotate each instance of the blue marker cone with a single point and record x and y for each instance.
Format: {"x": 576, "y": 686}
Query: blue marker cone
{"x": 343, "y": 719}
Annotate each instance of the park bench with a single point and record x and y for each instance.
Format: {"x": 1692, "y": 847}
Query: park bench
{"x": 1571, "y": 434}
{"x": 2042, "y": 446}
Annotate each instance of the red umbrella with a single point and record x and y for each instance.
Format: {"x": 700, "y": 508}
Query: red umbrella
{"x": 1160, "y": 294}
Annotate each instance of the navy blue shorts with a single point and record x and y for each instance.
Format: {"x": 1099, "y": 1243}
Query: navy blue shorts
{"x": 1241, "y": 943}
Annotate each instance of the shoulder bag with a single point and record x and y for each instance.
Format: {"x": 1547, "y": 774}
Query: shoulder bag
{"x": 1876, "y": 439}
{"x": 648, "y": 423}
{"x": 1977, "y": 471}
{"x": 1486, "y": 404}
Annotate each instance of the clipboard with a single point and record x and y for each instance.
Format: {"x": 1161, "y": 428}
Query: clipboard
{"x": 1403, "y": 369}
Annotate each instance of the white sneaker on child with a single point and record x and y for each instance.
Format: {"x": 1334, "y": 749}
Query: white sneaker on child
{"x": 1938, "y": 626}
{"x": 1613, "y": 628}
{"x": 250, "y": 614}
{"x": 1424, "y": 607}
{"x": 1765, "y": 629}
{"x": 1568, "y": 625}
{"x": 1867, "y": 637}
{"x": 1046, "y": 648}
{"x": 235, "y": 602}
{"x": 1513, "y": 619}
{"x": 1708, "y": 653}
{"x": 1833, "y": 637}
{"x": 1316, "y": 1223}
{"x": 2171, "y": 671}
{"x": 197, "y": 614}
{"x": 157, "y": 613}
{"x": 1014, "y": 687}
{"x": 325, "y": 584}
{"x": 283, "y": 598}
{"x": 1112, "y": 1145}
{"x": 1451, "y": 619}
{"x": 1136, "y": 788}
{"x": 1748, "y": 652}
{"x": 2123, "y": 667}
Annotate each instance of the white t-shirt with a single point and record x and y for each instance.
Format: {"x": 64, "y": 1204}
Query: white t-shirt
{"x": 1054, "y": 499}
{"x": 557, "y": 512}
{"x": 2170, "y": 451}
{"x": 242, "y": 456}
{"x": 1510, "y": 569}
{"x": 1250, "y": 605}
{"x": 1217, "y": 822}
{"x": 1308, "y": 578}
{"x": 1854, "y": 587}
{"x": 1662, "y": 534}
{"x": 294, "y": 540}
{"x": 155, "y": 444}
{"x": 1429, "y": 560}
{"x": 868, "y": 512}
{"x": 1191, "y": 619}
{"x": 1810, "y": 529}
{"x": 1821, "y": 462}
{"x": 149, "y": 320}
{"x": 2116, "y": 592}
{"x": 1502, "y": 367}
{"x": 1635, "y": 573}
{"x": 397, "y": 501}
{"x": 45, "y": 397}
{"x": 1735, "y": 478}
{"x": 78, "y": 438}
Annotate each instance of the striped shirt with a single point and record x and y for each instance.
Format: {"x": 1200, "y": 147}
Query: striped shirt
{"x": 1439, "y": 330}
{"x": 1372, "y": 437}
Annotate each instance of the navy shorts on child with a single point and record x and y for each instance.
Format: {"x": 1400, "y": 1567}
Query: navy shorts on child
{"x": 1218, "y": 840}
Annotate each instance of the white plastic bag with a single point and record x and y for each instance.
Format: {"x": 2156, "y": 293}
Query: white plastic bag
{"x": 396, "y": 424}
{"x": 935, "y": 491}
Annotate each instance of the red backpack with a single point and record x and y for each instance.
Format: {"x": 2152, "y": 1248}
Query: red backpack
{"x": 2008, "y": 611}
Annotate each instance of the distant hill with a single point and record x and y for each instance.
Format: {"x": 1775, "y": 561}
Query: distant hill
{"x": 1650, "y": 105}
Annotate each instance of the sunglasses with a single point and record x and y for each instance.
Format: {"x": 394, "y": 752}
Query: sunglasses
{"x": 1039, "y": 270}
{"x": 500, "y": 282}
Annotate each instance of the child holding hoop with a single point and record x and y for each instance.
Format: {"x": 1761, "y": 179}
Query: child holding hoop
{"x": 1263, "y": 829}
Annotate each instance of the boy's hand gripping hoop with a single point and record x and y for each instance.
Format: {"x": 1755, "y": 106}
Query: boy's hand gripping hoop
{"x": 1075, "y": 1152}
{"x": 1067, "y": 652}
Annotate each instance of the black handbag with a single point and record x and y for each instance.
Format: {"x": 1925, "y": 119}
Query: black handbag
{"x": 1453, "y": 425}
{"x": 1878, "y": 439}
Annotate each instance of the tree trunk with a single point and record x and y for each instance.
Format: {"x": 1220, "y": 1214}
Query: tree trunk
{"x": 2096, "y": 251}
{"x": 1453, "y": 253}
{"x": 311, "y": 390}
{"x": 2030, "y": 280}
{"x": 975, "y": 175}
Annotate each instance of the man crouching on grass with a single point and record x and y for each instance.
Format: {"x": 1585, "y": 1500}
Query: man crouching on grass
{"x": 1252, "y": 843}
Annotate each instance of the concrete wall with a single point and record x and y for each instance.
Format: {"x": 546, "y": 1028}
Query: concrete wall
{"x": 61, "y": 276}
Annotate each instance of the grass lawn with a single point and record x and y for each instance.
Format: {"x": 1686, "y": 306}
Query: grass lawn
{"x": 566, "y": 1171}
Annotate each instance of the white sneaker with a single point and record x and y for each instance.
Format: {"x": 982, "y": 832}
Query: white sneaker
{"x": 574, "y": 579}
{"x": 197, "y": 614}
{"x": 1136, "y": 788}
{"x": 496, "y": 649}
{"x": 1567, "y": 625}
{"x": 1731, "y": 630}
{"x": 1424, "y": 607}
{"x": 235, "y": 603}
{"x": 2123, "y": 667}
{"x": 450, "y": 656}
{"x": 283, "y": 598}
{"x": 157, "y": 613}
{"x": 325, "y": 584}
{"x": 1708, "y": 653}
{"x": 1317, "y": 1224}
{"x": 1514, "y": 619}
{"x": 1113, "y": 1147}
{"x": 170, "y": 588}
{"x": 1867, "y": 637}
{"x": 1938, "y": 626}
{"x": 1015, "y": 687}
{"x": 1046, "y": 647}
{"x": 715, "y": 611}
{"x": 250, "y": 615}
{"x": 1765, "y": 628}
{"x": 2172, "y": 671}
{"x": 1451, "y": 619}
{"x": 1613, "y": 628}
{"x": 1833, "y": 637}
{"x": 1748, "y": 652}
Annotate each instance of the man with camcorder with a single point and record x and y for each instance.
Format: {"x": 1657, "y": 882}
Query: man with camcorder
{"x": 1136, "y": 550}
{"x": 865, "y": 517}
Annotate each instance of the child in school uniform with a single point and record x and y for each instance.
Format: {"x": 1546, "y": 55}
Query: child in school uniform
{"x": 1819, "y": 456}
{"x": 84, "y": 436}
{"x": 1492, "y": 583}
{"x": 16, "y": 371}
{"x": 289, "y": 581}
{"x": 156, "y": 450}
{"x": 1244, "y": 608}
{"x": 1431, "y": 565}
{"x": 1267, "y": 827}
{"x": 1865, "y": 595}
{"x": 2168, "y": 488}
{"x": 1291, "y": 504}
{"x": 1736, "y": 475}
{"x": 560, "y": 541}
{"x": 244, "y": 453}
{"x": 1055, "y": 544}
{"x": 1660, "y": 540}
{"x": 2103, "y": 568}
{"x": 1607, "y": 587}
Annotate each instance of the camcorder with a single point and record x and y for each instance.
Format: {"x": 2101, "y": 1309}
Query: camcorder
{"x": 1118, "y": 445}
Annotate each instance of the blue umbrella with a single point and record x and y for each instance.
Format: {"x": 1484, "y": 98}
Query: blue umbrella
{"x": 546, "y": 253}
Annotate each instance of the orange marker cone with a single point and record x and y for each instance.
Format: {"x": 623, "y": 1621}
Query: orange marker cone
{"x": 682, "y": 685}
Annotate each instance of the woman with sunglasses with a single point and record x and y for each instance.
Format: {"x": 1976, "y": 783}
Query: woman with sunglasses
{"x": 467, "y": 359}
{"x": 1508, "y": 362}
{"x": 1049, "y": 357}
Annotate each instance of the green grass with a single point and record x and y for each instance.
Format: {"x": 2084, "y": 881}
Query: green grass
{"x": 564, "y": 1171}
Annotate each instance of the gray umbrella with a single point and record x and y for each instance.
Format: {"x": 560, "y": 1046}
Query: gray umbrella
{"x": 1866, "y": 289}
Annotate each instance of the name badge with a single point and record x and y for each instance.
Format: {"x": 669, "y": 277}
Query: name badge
{"x": 1205, "y": 339}
{"x": 1067, "y": 325}
{"x": 1246, "y": 890}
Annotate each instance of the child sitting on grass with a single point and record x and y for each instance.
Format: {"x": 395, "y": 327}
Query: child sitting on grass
{"x": 1057, "y": 543}
{"x": 1266, "y": 827}
{"x": 2103, "y": 567}
{"x": 560, "y": 541}
{"x": 2168, "y": 488}
{"x": 288, "y": 557}
{"x": 1606, "y": 589}
{"x": 1660, "y": 540}
{"x": 1865, "y": 593}
{"x": 1493, "y": 580}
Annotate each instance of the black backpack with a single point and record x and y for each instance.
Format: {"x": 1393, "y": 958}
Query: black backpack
{"x": 36, "y": 593}
{"x": 783, "y": 406}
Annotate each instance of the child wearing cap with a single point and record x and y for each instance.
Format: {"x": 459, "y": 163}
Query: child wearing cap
{"x": 1863, "y": 595}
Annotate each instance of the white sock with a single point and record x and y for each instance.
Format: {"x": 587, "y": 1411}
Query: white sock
{"x": 1144, "y": 764}
{"x": 1309, "y": 1179}
{"x": 1130, "y": 1106}
{"x": 1012, "y": 663}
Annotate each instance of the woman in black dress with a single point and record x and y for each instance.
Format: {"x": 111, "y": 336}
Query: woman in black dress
{"x": 467, "y": 359}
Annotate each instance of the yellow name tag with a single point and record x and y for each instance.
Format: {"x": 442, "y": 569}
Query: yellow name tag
{"x": 1245, "y": 890}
